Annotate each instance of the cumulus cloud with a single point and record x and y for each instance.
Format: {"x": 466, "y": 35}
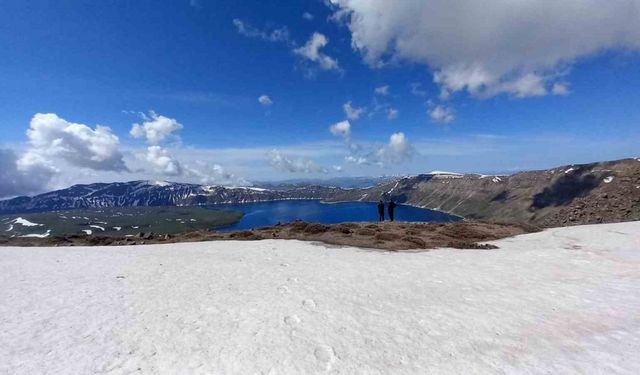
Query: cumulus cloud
{"x": 382, "y": 90}
{"x": 28, "y": 178}
{"x": 286, "y": 163}
{"x": 398, "y": 150}
{"x": 442, "y": 114}
{"x": 353, "y": 113}
{"x": 53, "y": 137}
{"x": 163, "y": 162}
{"x": 214, "y": 174}
{"x": 270, "y": 35}
{"x": 265, "y": 100}
{"x": 392, "y": 113}
{"x": 341, "y": 129}
{"x": 490, "y": 47}
{"x": 311, "y": 51}
{"x": 156, "y": 128}
{"x": 307, "y": 16}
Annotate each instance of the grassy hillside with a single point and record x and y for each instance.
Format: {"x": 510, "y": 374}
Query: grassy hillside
{"x": 117, "y": 221}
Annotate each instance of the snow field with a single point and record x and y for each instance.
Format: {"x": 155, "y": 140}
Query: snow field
{"x": 561, "y": 301}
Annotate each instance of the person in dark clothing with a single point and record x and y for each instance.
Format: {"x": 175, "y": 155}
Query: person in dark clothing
{"x": 392, "y": 207}
{"x": 380, "y": 210}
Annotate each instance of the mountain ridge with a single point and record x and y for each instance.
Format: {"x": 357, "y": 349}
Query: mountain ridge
{"x": 599, "y": 192}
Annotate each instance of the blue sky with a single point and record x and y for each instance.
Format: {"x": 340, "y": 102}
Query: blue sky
{"x": 478, "y": 105}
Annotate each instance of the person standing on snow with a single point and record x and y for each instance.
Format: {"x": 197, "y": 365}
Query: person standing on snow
{"x": 380, "y": 210}
{"x": 392, "y": 207}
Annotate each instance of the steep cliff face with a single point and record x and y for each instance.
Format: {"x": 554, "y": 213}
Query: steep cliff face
{"x": 568, "y": 195}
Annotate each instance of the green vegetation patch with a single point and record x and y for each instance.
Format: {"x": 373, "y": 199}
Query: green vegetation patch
{"x": 116, "y": 221}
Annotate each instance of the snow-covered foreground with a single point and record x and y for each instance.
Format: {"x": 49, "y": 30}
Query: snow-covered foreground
{"x": 563, "y": 301}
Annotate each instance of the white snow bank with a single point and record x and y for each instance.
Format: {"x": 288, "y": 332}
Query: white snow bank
{"x": 25, "y": 222}
{"x": 564, "y": 301}
{"x": 445, "y": 172}
{"x": 608, "y": 179}
{"x": 37, "y": 235}
{"x": 252, "y": 188}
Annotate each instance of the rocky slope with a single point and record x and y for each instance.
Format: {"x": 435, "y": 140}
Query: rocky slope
{"x": 568, "y": 195}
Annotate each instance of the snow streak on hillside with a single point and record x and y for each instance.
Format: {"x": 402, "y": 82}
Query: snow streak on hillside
{"x": 562, "y": 301}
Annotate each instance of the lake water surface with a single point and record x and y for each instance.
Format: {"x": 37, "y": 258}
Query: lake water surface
{"x": 269, "y": 213}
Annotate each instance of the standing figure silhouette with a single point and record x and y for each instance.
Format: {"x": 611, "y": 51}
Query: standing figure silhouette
{"x": 392, "y": 207}
{"x": 380, "y": 210}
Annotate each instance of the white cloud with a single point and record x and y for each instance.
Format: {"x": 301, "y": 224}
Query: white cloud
{"x": 442, "y": 114}
{"x": 341, "y": 129}
{"x": 337, "y": 168}
{"x": 286, "y": 163}
{"x": 311, "y": 51}
{"x": 417, "y": 90}
{"x": 560, "y": 88}
{"x": 214, "y": 174}
{"x": 155, "y": 129}
{"x": 18, "y": 180}
{"x": 52, "y": 137}
{"x": 392, "y": 113}
{"x": 382, "y": 90}
{"x": 307, "y": 16}
{"x": 275, "y": 35}
{"x": 265, "y": 100}
{"x": 398, "y": 150}
{"x": 353, "y": 113}
{"x": 163, "y": 162}
{"x": 490, "y": 47}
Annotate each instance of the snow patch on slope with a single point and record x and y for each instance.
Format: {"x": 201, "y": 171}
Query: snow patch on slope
{"x": 37, "y": 235}
{"x": 25, "y": 222}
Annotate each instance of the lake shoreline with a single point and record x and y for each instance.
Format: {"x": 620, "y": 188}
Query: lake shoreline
{"x": 319, "y": 211}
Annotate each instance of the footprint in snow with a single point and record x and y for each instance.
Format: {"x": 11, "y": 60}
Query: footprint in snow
{"x": 325, "y": 355}
{"x": 309, "y": 304}
{"x": 291, "y": 320}
{"x": 283, "y": 289}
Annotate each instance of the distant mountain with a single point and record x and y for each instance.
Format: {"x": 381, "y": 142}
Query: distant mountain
{"x": 569, "y": 195}
{"x": 155, "y": 193}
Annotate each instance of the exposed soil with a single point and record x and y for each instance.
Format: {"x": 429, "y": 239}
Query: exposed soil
{"x": 387, "y": 236}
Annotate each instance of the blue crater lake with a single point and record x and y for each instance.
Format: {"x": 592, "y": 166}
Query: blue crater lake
{"x": 262, "y": 214}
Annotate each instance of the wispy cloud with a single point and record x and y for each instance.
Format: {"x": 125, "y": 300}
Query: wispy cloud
{"x": 280, "y": 34}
